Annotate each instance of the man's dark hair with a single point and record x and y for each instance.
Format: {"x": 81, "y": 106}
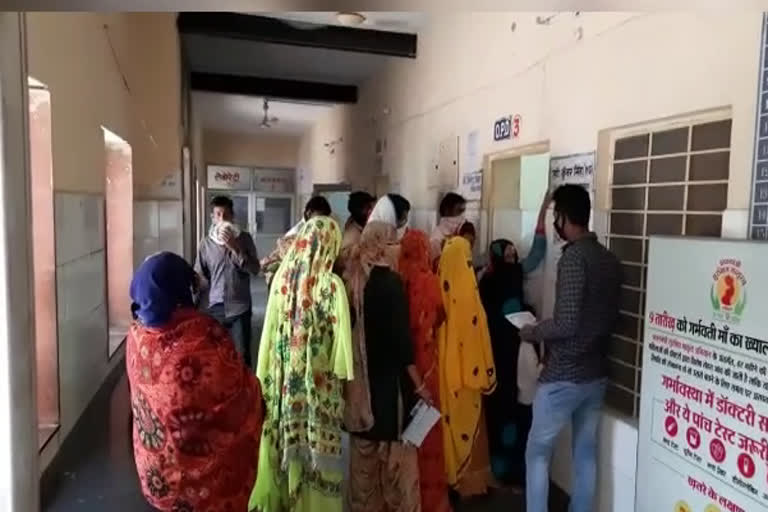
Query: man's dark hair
{"x": 401, "y": 204}
{"x": 318, "y": 205}
{"x": 467, "y": 229}
{"x": 449, "y": 202}
{"x": 223, "y": 202}
{"x": 359, "y": 201}
{"x": 572, "y": 201}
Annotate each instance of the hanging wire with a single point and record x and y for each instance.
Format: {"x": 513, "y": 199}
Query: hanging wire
{"x": 117, "y": 61}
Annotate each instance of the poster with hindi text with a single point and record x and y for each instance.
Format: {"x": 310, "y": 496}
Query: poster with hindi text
{"x": 703, "y": 435}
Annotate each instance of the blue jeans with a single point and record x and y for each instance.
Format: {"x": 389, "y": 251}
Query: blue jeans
{"x": 239, "y": 328}
{"x": 557, "y": 404}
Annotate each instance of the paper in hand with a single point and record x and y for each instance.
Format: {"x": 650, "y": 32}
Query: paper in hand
{"x": 521, "y": 319}
{"x": 423, "y": 418}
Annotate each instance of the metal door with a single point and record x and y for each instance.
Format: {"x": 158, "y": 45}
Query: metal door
{"x": 273, "y": 217}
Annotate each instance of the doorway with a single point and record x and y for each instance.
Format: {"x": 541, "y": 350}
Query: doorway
{"x": 517, "y": 185}
{"x": 338, "y": 197}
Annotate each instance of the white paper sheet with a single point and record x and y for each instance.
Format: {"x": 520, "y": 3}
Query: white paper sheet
{"x": 521, "y": 319}
{"x": 423, "y": 418}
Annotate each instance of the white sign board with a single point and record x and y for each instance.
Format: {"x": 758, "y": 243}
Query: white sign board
{"x": 576, "y": 169}
{"x": 274, "y": 180}
{"x": 471, "y": 185}
{"x": 228, "y": 177}
{"x": 704, "y": 395}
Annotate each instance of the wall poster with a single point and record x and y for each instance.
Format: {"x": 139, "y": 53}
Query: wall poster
{"x": 471, "y": 185}
{"x": 704, "y": 397}
{"x": 274, "y": 181}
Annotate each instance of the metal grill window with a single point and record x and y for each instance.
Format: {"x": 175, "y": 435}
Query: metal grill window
{"x": 672, "y": 181}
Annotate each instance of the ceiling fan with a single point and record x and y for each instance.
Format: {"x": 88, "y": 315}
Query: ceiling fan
{"x": 267, "y": 121}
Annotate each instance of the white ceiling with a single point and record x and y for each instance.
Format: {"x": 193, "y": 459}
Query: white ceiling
{"x": 402, "y": 21}
{"x": 229, "y": 113}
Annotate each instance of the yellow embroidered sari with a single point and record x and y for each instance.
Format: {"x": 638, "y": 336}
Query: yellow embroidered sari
{"x": 466, "y": 360}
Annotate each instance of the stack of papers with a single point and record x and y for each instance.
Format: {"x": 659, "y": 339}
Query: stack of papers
{"x": 521, "y": 319}
{"x": 423, "y": 418}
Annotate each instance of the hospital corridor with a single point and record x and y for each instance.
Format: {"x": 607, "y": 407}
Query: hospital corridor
{"x": 268, "y": 257}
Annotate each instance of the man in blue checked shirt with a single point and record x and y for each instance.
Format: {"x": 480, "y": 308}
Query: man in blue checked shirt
{"x": 573, "y": 382}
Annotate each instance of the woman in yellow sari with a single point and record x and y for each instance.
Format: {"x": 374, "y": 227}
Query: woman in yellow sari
{"x": 467, "y": 370}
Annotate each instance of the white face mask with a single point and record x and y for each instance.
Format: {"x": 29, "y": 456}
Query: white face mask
{"x": 452, "y": 224}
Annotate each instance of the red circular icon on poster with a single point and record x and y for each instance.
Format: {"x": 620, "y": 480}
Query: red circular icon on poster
{"x": 694, "y": 439}
{"x": 670, "y": 425}
{"x": 717, "y": 450}
{"x": 746, "y": 466}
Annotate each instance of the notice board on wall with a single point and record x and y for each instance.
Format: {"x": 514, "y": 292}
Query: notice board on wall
{"x": 704, "y": 395}
{"x": 576, "y": 169}
{"x": 281, "y": 181}
{"x": 228, "y": 177}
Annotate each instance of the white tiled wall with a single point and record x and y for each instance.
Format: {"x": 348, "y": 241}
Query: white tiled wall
{"x": 81, "y": 297}
{"x": 157, "y": 226}
{"x": 79, "y": 225}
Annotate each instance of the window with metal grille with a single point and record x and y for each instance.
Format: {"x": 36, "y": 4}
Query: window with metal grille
{"x": 665, "y": 180}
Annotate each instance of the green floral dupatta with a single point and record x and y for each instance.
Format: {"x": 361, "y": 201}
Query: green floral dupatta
{"x": 304, "y": 355}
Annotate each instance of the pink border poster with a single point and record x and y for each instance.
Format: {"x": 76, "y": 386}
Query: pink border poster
{"x": 703, "y": 436}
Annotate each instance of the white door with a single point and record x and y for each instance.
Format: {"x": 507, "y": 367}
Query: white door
{"x": 273, "y": 217}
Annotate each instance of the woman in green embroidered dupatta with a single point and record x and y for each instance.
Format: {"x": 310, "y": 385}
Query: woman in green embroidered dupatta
{"x": 304, "y": 356}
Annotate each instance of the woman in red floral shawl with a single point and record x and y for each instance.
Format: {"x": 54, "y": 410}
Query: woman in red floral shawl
{"x": 197, "y": 410}
{"x": 426, "y": 315}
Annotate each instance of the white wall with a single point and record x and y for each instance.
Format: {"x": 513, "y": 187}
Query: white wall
{"x": 156, "y": 227}
{"x": 81, "y": 299}
{"x": 84, "y": 59}
{"x": 19, "y": 489}
{"x": 249, "y": 150}
{"x": 472, "y": 69}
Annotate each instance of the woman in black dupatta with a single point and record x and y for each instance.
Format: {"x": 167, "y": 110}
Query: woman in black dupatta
{"x": 508, "y": 420}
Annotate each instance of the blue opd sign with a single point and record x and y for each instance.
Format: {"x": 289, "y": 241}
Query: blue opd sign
{"x": 506, "y": 128}
{"x": 502, "y": 129}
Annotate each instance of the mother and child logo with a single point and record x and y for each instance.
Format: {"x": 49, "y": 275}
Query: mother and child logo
{"x": 728, "y": 293}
